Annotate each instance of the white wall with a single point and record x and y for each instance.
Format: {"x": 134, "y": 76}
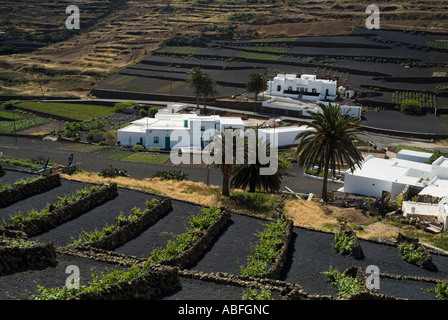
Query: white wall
{"x": 284, "y": 136}
{"x": 365, "y": 186}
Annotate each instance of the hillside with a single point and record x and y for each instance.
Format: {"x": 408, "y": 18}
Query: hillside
{"x": 117, "y": 33}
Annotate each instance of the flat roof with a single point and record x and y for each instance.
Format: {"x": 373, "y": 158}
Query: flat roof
{"x": 415, "y": 153}
{"x": 435, "y": 191}
{"x": 286, "y": 129}
{"x": 394, "y": 170}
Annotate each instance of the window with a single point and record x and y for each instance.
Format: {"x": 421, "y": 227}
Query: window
{"x": 202, "y": 128}
{"x": 279, "y": 88}
{"x": 156, "y": 139}
{"x": 314, "y": 90}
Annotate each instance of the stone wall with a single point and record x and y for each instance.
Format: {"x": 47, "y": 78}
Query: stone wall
{"x": 277, "y": 267}
{"x": 147, "y": 286}
{"x": 128, "y": 230}
{"x": 34, "y": 255}
{"x": 192, "y": 254}
{"x": 26, "y": 190}
{"x": 60, "y": 215}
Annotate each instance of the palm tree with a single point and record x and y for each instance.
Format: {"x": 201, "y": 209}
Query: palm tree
{"x": 248, "y": 175}
{"x": 195, "y": 79}
{"x": 222, "y": 164}
{"x": 256, "y": 83}
{"x": 208, "y": 88}
{"x": 330, "y": 144}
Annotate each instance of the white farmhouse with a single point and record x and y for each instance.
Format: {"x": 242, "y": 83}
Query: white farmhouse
{"x": 305, "y": 87}
{"x": 173, "y": 130}
{"x": 377, "y": 176}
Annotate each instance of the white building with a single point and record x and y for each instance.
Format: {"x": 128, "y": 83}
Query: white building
{"x": 428, "y": 211}
{"x": 172, "y": 130}
{"x": 412, "y": 155}
{"x": 305, "y": 87}
{"x": 354, "y": 111}
{"x": 299, "y": 108}
{"x": 377, "y": 176}
{"x": 284, "y": 136}
{"x": 295, "y": 106}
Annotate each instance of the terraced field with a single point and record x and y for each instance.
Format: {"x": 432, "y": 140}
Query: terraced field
{"x": 375, "y": 63}
{"x": 116, "y": 33}
{"x": 310, "y": 253}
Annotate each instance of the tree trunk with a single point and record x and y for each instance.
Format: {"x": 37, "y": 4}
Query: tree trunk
{"x": 252, "y": 188}
{"x": 225, "y": 180}
{"x": 325, "y": 183}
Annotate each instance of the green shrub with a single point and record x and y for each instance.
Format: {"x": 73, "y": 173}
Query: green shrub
{"x": 171, "y": 175}
{"x": 88, "y": 237}
{"x": 98, "y": 282}
{"x": 441, "y": 290}
{"x": 198, "y": 224}
{"x": 62, "y": 201}
{"x": 410, "y": 105}
{"x": 182, "y": 41}
{"x": 143, "y": 113}
{"x": 410, "y": 253}
{"x": 346, "y": 285}
{"x": 113, "y": 172}
{"x": 343, "y": 243}
{"x": 119, "y": 106}
{"x": 266, "y": 251}
{"x": 152, "y": 111}
{"x": 4, "y": 187}
{"x": 256, "y": 201}
{"x": 253, "y": 294}
{"x": 8, "y": 49}
{"x": 138, "y": 147}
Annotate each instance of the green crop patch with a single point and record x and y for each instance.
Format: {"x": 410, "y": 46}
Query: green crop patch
{"x": 20, "y": 125}
{"x": 73, "y": 111}
{"x": 143, "y": 157}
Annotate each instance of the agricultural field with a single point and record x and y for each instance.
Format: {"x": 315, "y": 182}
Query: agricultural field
{"x": 116, "y": 33}
{"x": 425, "y": 99}
{"x": 375, "y": 63}
{"x": 22, "y": 124}
{"x": 142, "y": 157}
{"x": 72, "y": 111}
{"x": 305, "y": 253}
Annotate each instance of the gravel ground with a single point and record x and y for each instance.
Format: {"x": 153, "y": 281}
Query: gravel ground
{"x": 312, "y": 253}
{"x": 96, "y": 218}
{"x": 158, "y": 234}
{"x": 40, "y": 201}
{"x": 23, "y": 284}
{"x": 232, "y": 246}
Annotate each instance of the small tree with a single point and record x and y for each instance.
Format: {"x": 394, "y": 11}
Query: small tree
{"x": 208, "y": 88}
{"x": 256, "y": 83}
{"x": 195, "y": 79}
{"x": 248, "y": 175}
